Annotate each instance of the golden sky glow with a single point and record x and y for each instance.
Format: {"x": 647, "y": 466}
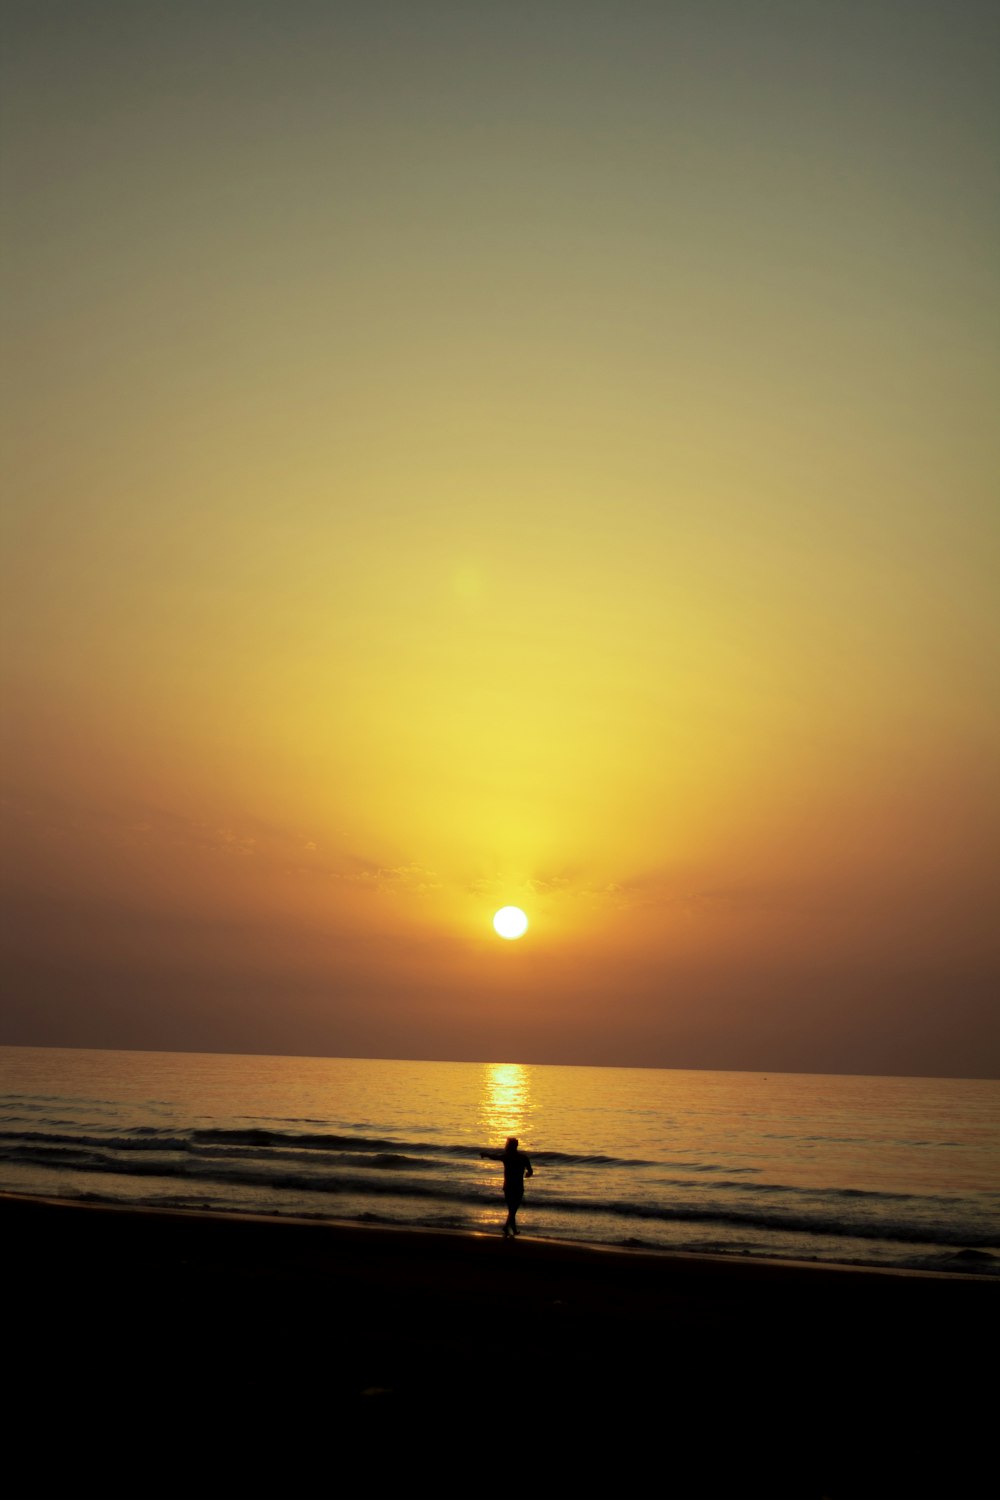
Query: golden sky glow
{"x": 460, "y": 456}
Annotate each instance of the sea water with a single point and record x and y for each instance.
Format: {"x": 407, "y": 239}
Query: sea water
{"x": 898, "y": 1172}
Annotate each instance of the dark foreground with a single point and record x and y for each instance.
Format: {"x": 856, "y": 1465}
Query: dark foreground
{"x": 304, "y": 1353}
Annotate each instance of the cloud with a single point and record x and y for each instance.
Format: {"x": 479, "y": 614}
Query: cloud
{"x": 411, "y": 879}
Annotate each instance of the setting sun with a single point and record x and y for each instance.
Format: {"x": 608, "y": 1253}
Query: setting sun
{"x": 510, "y": 922}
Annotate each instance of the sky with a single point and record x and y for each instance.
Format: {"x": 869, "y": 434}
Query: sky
{"x": 460, "y": 454}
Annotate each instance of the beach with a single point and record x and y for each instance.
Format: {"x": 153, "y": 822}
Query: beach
{"x": 897, "y": 1173}
{"x": 804, "y": 1379}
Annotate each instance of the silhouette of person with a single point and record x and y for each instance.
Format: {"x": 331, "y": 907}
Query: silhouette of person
{"x": 515, "y": 1167}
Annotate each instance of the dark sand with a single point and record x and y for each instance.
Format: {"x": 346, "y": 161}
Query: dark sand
{"x": 309, "y": 1340}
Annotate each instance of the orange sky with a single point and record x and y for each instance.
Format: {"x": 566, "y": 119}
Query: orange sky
{"x": 458, "y": 456}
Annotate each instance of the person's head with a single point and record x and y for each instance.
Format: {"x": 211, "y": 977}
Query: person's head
{"x": 511, "y": 1143}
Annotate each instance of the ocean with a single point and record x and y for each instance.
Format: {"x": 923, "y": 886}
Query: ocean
{"x": 894, "y": 1172}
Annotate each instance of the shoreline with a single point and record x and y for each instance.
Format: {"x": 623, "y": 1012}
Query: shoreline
{"x": 842, "y": 1372}
{"x": 526, "y": 1241}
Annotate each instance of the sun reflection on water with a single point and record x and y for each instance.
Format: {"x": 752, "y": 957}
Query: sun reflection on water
{"x": 505, "y": 1106}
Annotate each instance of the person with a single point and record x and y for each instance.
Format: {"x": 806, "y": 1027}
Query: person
{"x": 516, "y": 1166}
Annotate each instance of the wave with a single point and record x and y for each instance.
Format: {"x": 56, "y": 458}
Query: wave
{"x": 334, "y": 1153}
{"x": 155, "y": 1138}
{"x": 837, "y": 1214}
{"x": 791, "y": 1220}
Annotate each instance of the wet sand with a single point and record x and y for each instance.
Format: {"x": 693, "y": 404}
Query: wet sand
{"x": 729, "y": 1376}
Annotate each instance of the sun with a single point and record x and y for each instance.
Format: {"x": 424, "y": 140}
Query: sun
{"x": 510, "y": 922}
